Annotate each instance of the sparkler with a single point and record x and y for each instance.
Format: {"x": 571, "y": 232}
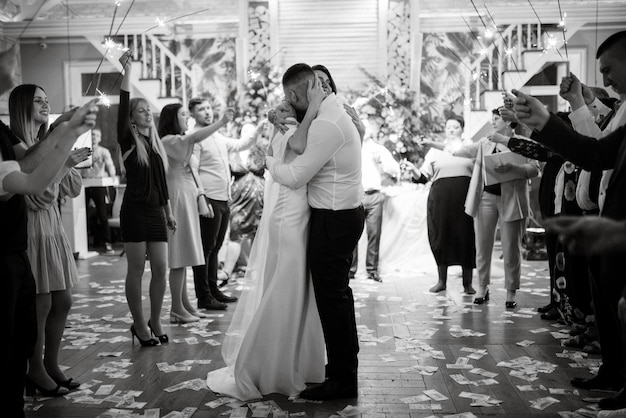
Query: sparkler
{"x": 509, "y": 51}
{"x": 551, "y": 38}
{"x": 104, "y": 99}
{"x": 562, "y": 25}
{"x": 161, "y": 23}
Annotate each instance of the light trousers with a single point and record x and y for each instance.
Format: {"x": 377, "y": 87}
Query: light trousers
{"x": 485, "y": 223}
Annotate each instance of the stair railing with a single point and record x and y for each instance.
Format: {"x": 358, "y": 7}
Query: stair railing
{"x": 158, "y": 62}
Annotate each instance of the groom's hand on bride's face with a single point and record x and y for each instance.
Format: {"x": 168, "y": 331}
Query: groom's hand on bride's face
{"x": 315, "y": 93}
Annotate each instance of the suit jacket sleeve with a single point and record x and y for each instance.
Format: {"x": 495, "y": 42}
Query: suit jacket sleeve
{"x": 586, "y": 152}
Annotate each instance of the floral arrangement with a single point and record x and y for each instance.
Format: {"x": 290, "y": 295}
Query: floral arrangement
{"x": 262, "y": 92}
{"x": 397, "y": 106}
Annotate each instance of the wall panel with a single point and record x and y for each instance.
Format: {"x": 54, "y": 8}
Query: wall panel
{"x": 340, "y": 34}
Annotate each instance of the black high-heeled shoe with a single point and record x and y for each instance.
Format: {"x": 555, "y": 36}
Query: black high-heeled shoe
{"x": 162, "y": 338}
{"x": 31, "y": 387}
{"x": 481, "y": 300}
{"x": 69, "y": 383}
{"x": 150, "y": 342}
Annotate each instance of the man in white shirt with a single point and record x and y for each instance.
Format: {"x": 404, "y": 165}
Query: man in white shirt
{"x": 585, "y": 107}
{"x": 214, "y": 172}
{"x": 376, "y": 161}
{"x": 331, "y": 168}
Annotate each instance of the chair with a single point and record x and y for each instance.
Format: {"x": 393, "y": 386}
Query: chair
{"x": 114, "y": 221}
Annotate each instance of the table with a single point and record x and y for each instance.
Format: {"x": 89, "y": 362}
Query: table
{"x": 404, "y": 247}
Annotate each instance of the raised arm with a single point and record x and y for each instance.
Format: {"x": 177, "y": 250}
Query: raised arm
{"x": 249, "y": 136}
{"x": 523, "y": 146}
{"x": 56, "y": 148}
{"x": 205, "y": 132}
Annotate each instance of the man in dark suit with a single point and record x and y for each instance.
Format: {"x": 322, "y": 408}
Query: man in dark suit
{"x": 608, "y": 269}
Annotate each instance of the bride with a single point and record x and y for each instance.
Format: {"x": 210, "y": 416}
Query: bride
{"x": 275, "y": 342}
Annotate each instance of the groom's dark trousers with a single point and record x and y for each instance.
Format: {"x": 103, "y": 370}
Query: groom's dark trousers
{"x": 333, "y": 236}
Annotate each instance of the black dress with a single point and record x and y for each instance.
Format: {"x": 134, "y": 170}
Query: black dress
{"x": 142, "y": 216}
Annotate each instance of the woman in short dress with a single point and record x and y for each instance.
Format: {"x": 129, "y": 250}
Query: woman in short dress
{"x": 49, "y": 251}
{"x": 145, "y": 215}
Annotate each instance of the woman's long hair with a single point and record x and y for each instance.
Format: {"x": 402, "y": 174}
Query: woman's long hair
{"x": 21, "y": 114}
{"x": 331, "y": 82}
{"x": 153, "y": 139}
{"x": 168, "y": 121}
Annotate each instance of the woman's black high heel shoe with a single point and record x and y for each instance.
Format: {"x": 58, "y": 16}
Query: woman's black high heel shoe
{"x": 162, "y": 338}
{"x": 150, "y": 342}
{"x": 32, "y": 388}
{"x": 69, "y": 383}
{"x": 480, "y": 301}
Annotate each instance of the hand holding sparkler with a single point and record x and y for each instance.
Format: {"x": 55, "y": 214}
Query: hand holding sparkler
{"x": 530, "y": 111}
{"x": 571, "y": 90}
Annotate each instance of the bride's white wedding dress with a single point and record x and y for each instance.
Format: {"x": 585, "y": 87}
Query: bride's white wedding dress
{"x": 275, "y": 342}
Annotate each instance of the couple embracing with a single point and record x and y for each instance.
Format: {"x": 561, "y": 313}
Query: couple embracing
{"x": 298, "y": 312}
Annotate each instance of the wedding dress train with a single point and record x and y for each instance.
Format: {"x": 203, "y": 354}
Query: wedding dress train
{"x": 275, "y": 342}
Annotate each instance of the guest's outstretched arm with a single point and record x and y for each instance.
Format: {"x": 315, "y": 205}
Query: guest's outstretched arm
{"x": 56, "y": 148}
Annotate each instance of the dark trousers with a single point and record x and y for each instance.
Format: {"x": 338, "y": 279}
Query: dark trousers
{"x": 17, "y": 307}
{"x": 100, "y": 225}
{"x": 606, "y": 290}
{"x": 213, "y": 231}
{"x": 373, "y": 206}
{"x": 332, "y": 238}
{"x": 552, "y": 241}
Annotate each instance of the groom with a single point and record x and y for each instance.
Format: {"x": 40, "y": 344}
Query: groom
{"x": 331, "y": 168}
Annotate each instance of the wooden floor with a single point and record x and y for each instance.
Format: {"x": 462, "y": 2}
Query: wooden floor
{"x": 412, "y": 342}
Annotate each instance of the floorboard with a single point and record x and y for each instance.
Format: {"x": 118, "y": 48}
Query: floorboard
{"x": 412, "y": 329}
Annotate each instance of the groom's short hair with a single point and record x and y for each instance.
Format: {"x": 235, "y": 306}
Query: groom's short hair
{"x": 297, "y": 73}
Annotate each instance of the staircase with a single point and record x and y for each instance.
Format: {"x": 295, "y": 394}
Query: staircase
{"x": 516, "y": 55}
{"x": 162, "y": 78}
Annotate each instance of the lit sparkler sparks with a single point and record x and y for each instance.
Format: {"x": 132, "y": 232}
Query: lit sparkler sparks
{"x": 104, "y": 99}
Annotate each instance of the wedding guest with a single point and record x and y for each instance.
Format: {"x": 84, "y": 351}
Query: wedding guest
{"x": 450, "y": 229}
{"x": 505, "y": 203}
{"x": 49, "y": 251}
{"x": 29, "y": 176}
{"x": 377, "y": 163}
{"x": 607, "y": 270}
{"x": 568, "y": 272}
{"x": 215, "y": 178}
{"x": 102, "y": 166}
{"x": 185, "y": 244}
{"x": 146, "y": 214}
{"x": 552, "y": 163}
{"x": 246, "y": 204}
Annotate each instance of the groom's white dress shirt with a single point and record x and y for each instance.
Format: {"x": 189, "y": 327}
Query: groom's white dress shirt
{"x": 331, "y": 162}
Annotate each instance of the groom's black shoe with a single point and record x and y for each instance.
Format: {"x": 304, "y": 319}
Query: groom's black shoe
{"x": 614, "y": 402}
{"x": 212, "y": 304}
{"x": 224, "y": 298}
{"x": 330, "y": 389}
{"x": 598, "y": 382}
